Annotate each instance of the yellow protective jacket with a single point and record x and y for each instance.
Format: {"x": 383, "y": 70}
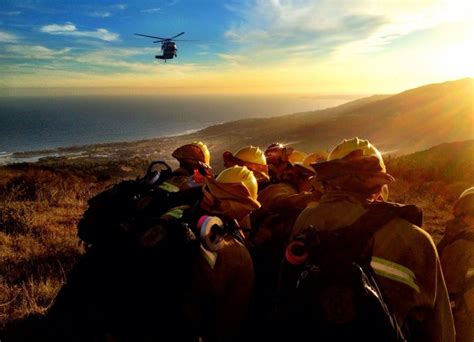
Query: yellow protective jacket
{"x": 457, "y": 260}
{"x": 281, "y": 196}
{"x": 404, "y": 260}
{"x": 221, "y": 288}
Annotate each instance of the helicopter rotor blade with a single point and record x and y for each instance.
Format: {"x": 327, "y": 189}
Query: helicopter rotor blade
{"x": 179, "y": 34}
{"x": 144, "y": 35}
{"x": 158, "y": 41}
{"x": 185, "y": 40}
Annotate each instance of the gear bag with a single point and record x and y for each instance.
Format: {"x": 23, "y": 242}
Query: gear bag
{"x": 136, "y": 293}
{"x": 327, "y": 287}
{"x": 124, "y": 212}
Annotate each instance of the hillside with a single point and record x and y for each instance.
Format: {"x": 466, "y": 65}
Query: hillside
{"x": 410, "y": 121}
{"x": 433, "y": 180}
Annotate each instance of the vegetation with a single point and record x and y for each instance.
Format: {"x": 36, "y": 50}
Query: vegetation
{"x": 39, "y": 209}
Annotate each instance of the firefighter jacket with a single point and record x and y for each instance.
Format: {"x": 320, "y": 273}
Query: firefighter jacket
{"x": 405, "y": 262}
{"x": 457, "y": 260}
{"x": 280, "y": 203}
{"x": 222, "y": 284}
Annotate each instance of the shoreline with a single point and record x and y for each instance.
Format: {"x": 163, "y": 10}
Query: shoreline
{"x": 87, "y": 150}
{"x": 29, "y": 153}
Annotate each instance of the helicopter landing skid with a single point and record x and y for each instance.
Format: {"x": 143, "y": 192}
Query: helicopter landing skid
{"x": 161, "y": 57}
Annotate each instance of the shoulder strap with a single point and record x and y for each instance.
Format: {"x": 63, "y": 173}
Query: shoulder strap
{"x": 355, "y": 238}
{"x": 380, "y": 213}
{"x": 445, "y": 242}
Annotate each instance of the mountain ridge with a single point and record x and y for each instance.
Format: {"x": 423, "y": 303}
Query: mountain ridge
{"x": 410, "y": 121}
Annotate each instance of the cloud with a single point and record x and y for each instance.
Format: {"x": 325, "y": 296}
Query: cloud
{"x": 39, "y": 63}
{"x": 119, "y": 6}
{"x": 317, "y": 28}
{"x": 69, "y": 29}
{"x": 100, "y": 14}
{"x": 33, "y": 52}
{"x": 233, "y": 59}
{"x": 151, "y": 10}
{"x": 6, "y": 37}
{"x": 294, "y": 27}
{"x": 11, "y": 13}
{"x": 57, "y": 29}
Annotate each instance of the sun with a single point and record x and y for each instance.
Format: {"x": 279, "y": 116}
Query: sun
{"x": 456, "y": 57}
{"x": 458, "y": 60}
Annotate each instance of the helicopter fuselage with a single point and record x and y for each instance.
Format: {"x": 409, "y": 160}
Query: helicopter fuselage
{"x": 169, "y": 51}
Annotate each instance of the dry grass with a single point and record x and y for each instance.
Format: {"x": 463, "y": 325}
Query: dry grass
{"x": 39, "y": 210}
{"x": 40, "y": 207}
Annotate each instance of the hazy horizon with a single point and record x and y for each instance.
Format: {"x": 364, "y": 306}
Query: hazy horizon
{"x": 31, "y": 123}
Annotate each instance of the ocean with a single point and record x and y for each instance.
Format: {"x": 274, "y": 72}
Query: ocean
{"x": 44, "y": 123}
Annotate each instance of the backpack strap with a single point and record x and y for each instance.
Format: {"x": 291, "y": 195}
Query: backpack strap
{"x": 354, "y": 241}
{"x": 445, "y": 242}
{"x": 380, "y": 213}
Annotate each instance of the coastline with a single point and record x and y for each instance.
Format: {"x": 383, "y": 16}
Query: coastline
{"x": 100, "y": 150}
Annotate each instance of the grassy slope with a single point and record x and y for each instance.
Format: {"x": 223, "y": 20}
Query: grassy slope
{"x": 433, "y": 179}
{"x": 39, "y": 210}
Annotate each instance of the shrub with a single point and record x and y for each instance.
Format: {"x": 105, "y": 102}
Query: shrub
{"x": 16, "y": 217}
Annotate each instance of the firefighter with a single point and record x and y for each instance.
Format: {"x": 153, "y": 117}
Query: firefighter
{"x": 404, "y": 258}
{"x": 194, "y": 164}
{"x": 277, "y": 156}
{"x": 254, "y": 159}
{"x": 457, "y": 259}
{"x": 251, "y": 157}
{"x": 191, "y": 157}
{"x": 287, "y": 198}
{"x": 223, "y": 278}
{"x": 281, "y": 203}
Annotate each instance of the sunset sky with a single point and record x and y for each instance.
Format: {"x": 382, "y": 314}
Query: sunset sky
{"x": 252, "y": 46}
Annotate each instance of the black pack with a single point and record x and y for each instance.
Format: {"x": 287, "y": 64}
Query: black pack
{"x": 124, "y": 212}
{"x": 133, "y": 282}
{"x": 327, "y": 288}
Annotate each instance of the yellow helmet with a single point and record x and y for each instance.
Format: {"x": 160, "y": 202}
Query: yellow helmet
{"x": 296, "y": 157}
{"x": 197, "y": 152}
{"x": 205, "y": 151}
{"x": 315, "y": 157}
{"x": 350, "y": 145}
{"x": 251, "y": 154}
{"x": 251, "y": 157}
{"x": 240, "y": 174}
{"x": 464, "y": 205}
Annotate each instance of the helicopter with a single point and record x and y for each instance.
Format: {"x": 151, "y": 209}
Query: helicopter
{"x": 168, "y": 45}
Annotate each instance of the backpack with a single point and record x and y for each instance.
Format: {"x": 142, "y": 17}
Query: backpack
{"x": 327, "y": 288}
{"x": 132, "y": 292}
{"x": 124, "y": 287}
{"x": 120, "y": 215}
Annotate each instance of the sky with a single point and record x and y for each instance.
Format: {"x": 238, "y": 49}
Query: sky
{"x": 314, "y": 47}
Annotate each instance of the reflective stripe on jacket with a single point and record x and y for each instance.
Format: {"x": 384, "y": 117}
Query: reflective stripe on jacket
{"x": 405, "y": 261}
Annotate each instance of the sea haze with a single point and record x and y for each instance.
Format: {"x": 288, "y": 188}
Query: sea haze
{"x": 39, "y": 123}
